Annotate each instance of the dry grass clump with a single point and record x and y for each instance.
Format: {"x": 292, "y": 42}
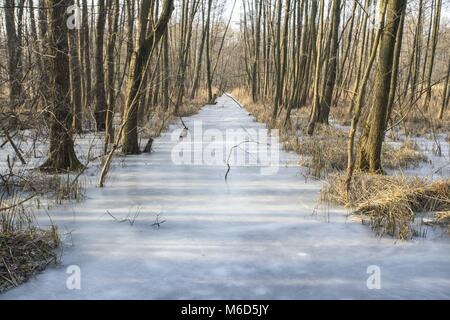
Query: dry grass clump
{"x": 59, "y": 188}
{"x": 325, "y": 152}
{"x": 259, "y": 110}
{"x": 262, "y": 111}
{"x": 409, "y": 155}
{"x": 24, "y": 249}
{"x": 418, "y": 124}
{"x": 389, "y": 203}
{"x": 192, "y": 106}
{"x": 340, "y": 114}
{"x": 395, "y": 208}
{"x": 69, "y": 190}
{"x": 442, "y": 218}
{"x": 24, "y": 254}
{"x": 361, "y": 188}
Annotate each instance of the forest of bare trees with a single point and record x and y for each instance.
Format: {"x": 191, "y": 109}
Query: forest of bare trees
{"x": 341, "y": 80}
{"x": 381, "y": 60}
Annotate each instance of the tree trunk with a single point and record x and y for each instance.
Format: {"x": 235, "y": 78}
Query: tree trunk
{"x": 184, "y": 54}
{"x": 139, "y": 67}
{"x": 445, "y": 94}
{"x": 371, "y": 141}
{"x": 198, "y": 65}
{"x": 62, "y": 155}
{"x": 114, "y": 28}
{"x": 330, "y": 79}
{"x": 87, "y": 75}
{"x": 166, "y": 73}
{"x": 14, "y": 57}
{"x": 434, "y": 41}
{"x": 316, "y": 98}
{"x": 75, "y": 79}
{"x": 396, "y": 63}
{"x": 360, "y": 100}
{"x": 44, "y": 85}
{"x": 208, "y": 52}
{"x": 278, "y": 63}
{"x": 100, "y": 94}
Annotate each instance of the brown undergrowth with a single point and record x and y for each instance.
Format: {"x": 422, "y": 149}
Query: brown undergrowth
{"x": 24, "y": 249}
{"x": 390, "y": 204}
{"x": 326, "y": 151}
{"x": 159, "y": 120}
{"x": 23, "y": 254}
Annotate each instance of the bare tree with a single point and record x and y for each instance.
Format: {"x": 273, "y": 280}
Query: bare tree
{"x": 100, "y": 94}
{"x": 139, "y": 68}
{"x": 62, "y": 155}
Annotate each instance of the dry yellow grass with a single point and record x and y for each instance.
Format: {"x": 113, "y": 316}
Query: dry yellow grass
{"x": 322, "y": 153}
{"x": 443, "y": 217}
{"x": 262, "y": 110}
{"x": 408, "y": 155}
{"x": 326, "y": 151}
{"x": 419, "y": 124}
{"x": 389, "y": 203}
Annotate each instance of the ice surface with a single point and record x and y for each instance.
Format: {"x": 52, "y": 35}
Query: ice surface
{"x": 253, "y": 237}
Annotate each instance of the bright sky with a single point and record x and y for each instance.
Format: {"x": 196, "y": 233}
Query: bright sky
{"x": 236, "y": 12}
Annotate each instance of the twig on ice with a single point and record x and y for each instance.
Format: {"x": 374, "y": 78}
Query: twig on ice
{"x": 157, "y": 222}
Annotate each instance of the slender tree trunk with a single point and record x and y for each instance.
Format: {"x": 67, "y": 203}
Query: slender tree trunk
{"x": 184, "y": 54}
{"x": 114, "y": 28}
{"x": 316, "y": 96}
{"x": 434, "y": 41}
{"x": 100, "y": 94}
{"x": 360, "y": 64}
{"x": 14, "y": 57}
{"x": 75, "y": 79}
{"x": 312, "y": 52}
{"x": 87, "y": 75}
{"x": 445, "y": 94}
{"x": 360, "y": 100}
{"x": 371, "y": 141}
{"x": 255, "y": 69}
{"x": 396, "y": 63}
{"x": 330, "y": 79}
{"x": 208, "y": 52}
{"x": 44, "y": 86}
{"x": 278, "y": 63}
{"x": 166, "y": 72}
{"x": 139, "y": 66}
{"x": 198, "y": 64}
{"x": 34, "y": 35}
{"x": 62, "y": 155}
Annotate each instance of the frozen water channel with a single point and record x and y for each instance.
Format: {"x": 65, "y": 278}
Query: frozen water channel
{"x": 255, "y": 236}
